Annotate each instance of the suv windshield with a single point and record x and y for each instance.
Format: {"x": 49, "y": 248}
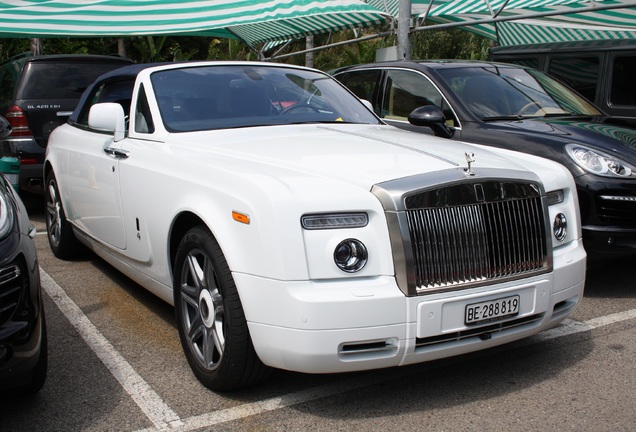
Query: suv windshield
{"x": 495, "y": 92}
{"x": 217, "y": 97}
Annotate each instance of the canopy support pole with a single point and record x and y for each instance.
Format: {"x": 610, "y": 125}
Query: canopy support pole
{"x": 404, "y": 30}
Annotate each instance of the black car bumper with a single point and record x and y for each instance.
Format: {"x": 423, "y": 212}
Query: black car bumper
{"x": 22, "y": 328}
{"x": 609, "y": 242}
{"x": 608, "y": 214}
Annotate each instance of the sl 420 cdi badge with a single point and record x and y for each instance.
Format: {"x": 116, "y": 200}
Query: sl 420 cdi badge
{"x": 291, "y": 228}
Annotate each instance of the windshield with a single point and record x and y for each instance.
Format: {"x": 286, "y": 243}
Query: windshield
{"x": 218, "y": 97}
{"x": 495, "y": 92}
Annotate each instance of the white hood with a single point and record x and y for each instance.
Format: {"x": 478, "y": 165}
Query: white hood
{"x": 359, "y": 154}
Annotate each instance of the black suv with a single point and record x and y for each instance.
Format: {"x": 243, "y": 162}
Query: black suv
{"x": 602, "y": 71}
{"x": 37, "y": 94}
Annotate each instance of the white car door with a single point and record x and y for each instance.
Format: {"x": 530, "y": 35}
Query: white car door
{"x": 93, "y": 176}
{"x": 93, "y": 181}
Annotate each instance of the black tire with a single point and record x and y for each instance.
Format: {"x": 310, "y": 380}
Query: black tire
{"x": 62, "y": 240}
{"x": 210, "y": 317}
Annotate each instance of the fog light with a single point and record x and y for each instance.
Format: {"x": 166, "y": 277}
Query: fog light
{"x": 350, "y": 255}
{"x": 560, "y": 227}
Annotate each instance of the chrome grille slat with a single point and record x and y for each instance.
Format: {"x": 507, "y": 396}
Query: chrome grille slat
{"x": 461, "y": 244}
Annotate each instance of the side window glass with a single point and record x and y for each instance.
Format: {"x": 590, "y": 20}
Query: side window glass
{"x": 580, "y": 73}
{"x": 119, "y": 92}
{"x": 9, "y": 73}
{"x": 363, "y": 84}
{"x": 623, "y": 86}
{"x": 406, "y": 90}
{"x": 143, "y": 119}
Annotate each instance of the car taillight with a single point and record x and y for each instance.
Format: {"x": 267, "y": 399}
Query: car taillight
{"x": 18, "y": 121}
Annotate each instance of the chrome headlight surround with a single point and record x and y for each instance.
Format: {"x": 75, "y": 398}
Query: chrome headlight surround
{"x": 599, "y": 163}
{"x": 350, "y": 255}
{"x": 560, "y": 227}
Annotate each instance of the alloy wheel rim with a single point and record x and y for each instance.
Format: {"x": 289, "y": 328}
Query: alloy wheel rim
{"x": 53, "y": 210}
{"x": 202, "y": 311}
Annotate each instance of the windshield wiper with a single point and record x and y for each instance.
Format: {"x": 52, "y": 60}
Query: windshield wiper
{"x": 522, "y": 117}
{"x": 508, "y": 117}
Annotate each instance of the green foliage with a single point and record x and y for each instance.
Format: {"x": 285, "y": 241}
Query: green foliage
{"x": 229, "y": 49}
{"x": 104, "y": 46}
{"x": 450, "y": 44}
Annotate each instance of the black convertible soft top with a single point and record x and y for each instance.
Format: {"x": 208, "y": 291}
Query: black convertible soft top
{"x": 130, "y": 71}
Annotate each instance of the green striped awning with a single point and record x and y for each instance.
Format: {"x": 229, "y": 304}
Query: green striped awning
{"x": 520, "y": 22}
{"x": 254, "y": 21}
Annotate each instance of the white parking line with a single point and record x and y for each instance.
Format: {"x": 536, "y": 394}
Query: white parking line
{"x": 162, "y": 416}
{"x": 157, "y": 411}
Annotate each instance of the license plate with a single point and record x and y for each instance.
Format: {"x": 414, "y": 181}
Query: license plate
{"x": 492, "y": 310}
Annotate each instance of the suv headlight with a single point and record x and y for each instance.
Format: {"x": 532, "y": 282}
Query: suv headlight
{"x": 6, "y": 213}
{"x": 598, "y": 163}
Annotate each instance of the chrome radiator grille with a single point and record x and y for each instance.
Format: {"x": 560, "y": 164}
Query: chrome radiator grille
{"x": 466, "y": 235}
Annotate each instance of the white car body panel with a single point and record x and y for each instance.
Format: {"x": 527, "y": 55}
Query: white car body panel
{"x": 303, "y": 312}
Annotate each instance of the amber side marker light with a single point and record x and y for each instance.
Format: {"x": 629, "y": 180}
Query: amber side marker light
{"x": 240, "y": 217}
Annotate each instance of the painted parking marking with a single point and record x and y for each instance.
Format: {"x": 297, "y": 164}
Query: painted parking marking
{"x": 164, "y": 418}
{"x": 157, "y": 411}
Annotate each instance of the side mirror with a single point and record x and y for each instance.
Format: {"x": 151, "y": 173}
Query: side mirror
{"x": 108, "y": 117}
{"x": 367, "y": 104}
{"x": 5, "y": 128}
{"x": 433, "y": 117}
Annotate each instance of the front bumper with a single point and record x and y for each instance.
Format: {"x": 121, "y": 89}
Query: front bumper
{"x": 22, "y": 320}
{"x": 362, "y": 324}
{"x": 608, "y": 216}
{"x": 609, "y": 242}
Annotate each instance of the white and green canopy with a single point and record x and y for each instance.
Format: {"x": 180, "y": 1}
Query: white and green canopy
{"x": 509, "y": 22}
{"x": 253, "y": 21}
{"x": 517, "y": 22}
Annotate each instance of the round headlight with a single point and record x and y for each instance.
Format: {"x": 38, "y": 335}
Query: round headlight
{"x": 350, "y": 255}
{"x": 560, "y": 227}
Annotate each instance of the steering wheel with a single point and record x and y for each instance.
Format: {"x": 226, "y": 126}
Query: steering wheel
{"x": 298, "y": 106}
{"x": 527, "y": 106}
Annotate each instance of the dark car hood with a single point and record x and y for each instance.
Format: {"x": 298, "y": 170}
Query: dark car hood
{"x": 592, "y": 131}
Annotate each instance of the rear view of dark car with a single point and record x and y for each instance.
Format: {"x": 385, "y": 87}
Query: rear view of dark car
{"x": 37, "y": 94}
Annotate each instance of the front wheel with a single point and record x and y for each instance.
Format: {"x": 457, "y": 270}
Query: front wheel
{"x": 212, "y": 325}
{"x": 62, "y": 240}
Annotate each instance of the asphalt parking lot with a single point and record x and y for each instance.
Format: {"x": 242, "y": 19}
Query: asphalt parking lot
{"x": 116, "y": 364}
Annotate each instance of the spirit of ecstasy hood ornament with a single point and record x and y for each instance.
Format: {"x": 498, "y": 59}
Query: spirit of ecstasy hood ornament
{"x": 470, "y": 158}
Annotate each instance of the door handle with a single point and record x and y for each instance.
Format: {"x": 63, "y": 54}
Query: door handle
{"x": 116, "y": 152}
